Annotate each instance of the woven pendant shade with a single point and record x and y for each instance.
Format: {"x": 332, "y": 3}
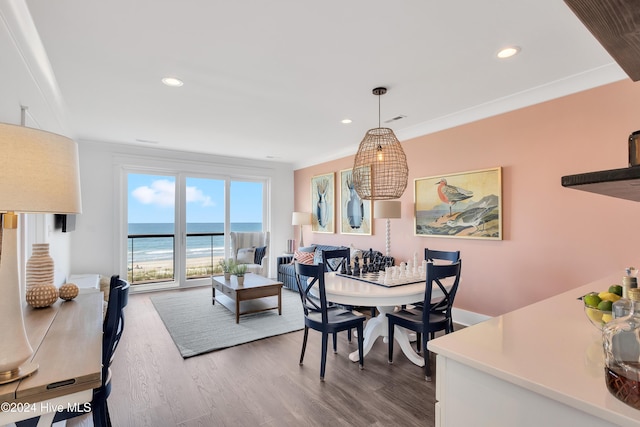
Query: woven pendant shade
{"x": 380, "y": 170}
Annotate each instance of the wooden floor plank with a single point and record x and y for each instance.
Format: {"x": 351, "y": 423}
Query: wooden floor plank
{"x": 260, "y": 383}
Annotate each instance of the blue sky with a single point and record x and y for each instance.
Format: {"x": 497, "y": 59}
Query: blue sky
{"x": 151, "y": 199}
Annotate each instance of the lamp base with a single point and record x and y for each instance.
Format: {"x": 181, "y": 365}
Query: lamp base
{"x": 23, "y": 371}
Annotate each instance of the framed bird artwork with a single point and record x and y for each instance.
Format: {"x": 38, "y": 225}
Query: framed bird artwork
{"x": 464, "y": 205}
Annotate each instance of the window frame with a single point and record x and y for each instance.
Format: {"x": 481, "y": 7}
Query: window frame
{"x": 181, "y": 172}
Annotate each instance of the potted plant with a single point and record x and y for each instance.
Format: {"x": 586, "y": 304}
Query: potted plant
{"x": 239, "y": 271}
{"x": 227, "y": 266}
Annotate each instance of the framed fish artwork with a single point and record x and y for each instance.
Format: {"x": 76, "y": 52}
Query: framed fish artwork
{"x": 355, "y": 213}
{"x": 323, "y": 203}
{"x": 465, "y": 205}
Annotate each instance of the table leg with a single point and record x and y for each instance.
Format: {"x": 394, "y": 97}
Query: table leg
{"x": 379, "y": 327}
{"x": 237, "y": 308}
{"x": 213, "y": 295}
{"x": 280, "y": 301}
{"x": 402, "y": 337}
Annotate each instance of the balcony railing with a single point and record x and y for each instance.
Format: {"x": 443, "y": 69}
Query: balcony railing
{"x": 151, "y": 257}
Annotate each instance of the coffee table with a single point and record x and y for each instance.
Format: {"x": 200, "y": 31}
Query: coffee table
{"x": 253, "y": 296}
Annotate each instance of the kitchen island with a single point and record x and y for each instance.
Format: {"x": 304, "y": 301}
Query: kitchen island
{"x": 541, "y": 365}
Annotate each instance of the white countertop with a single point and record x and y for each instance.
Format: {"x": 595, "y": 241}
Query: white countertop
{"x": 549, "y": 347}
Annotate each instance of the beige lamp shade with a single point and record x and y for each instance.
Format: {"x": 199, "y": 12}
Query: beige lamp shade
{"x": 387, "y": 209}
{"x": 301, "y": 218}
{"x": 38, "y": 171}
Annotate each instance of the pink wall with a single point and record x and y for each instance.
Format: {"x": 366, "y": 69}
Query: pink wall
{"x": 554, "y": 238}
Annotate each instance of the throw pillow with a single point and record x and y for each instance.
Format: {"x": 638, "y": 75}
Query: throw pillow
{"x": 260, "y": 253}
{"x": 303, "y": 257}
{"x": 246, "y": 255}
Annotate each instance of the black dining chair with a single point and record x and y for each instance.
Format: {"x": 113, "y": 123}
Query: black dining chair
{"x": 436, "y": 255}
{"x": 427, "y": 322}
{"x": 337, "y": 260}
{"x": 320, "y": 317}
{"x": 432, "y": 255}
{"x": 112, "y": 328}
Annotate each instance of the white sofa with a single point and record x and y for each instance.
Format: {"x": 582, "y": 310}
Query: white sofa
{"x": 243, "y": 250}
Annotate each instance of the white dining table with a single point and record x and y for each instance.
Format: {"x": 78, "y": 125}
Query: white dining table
{"x": 349, "y": 291}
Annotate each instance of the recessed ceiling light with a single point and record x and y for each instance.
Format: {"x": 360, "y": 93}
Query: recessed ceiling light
{"x": 172, "y": 81}
{"x": 346, "y": 121}
{"x": 508, "y": 52}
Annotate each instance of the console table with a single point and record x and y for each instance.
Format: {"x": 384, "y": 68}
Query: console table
{"x": 67, "y": 342}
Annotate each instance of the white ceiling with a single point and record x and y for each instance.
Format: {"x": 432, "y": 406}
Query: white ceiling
{"x": 273, "y": 79}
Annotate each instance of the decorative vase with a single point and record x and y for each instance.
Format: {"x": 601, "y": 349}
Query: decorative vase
{"x": 40, "y": 267}
{"x": 68, "y": 291}
{"x": 240, "y": 280}
{"x": 40, "y": 296}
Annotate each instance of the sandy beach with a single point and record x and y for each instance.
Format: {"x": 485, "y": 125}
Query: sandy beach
{"x": 163, "y": 269}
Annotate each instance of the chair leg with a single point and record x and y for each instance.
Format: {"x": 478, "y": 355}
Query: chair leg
{"x": 349, "y": 334}
{"x": 390, "y": 338}
{"x": 335, "y": 342}
{"x": 323, "y": 359}
{"x": 101, "y": 414}
{"x": 304, "y": 344}
{"x": 418, "y": 342}
{"x": 361, "y": 345}
{"x": 426, "y": 354}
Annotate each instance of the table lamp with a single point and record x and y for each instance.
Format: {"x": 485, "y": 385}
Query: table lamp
{"x": 38, "y": 174}
{"x": 388, "y": 209}
{"x": 301, "y": 218}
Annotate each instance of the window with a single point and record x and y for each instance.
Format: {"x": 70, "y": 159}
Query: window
{"x": 177, "y": 225}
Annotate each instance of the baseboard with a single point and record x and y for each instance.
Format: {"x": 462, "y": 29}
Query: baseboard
{"x": 468, "y": 318}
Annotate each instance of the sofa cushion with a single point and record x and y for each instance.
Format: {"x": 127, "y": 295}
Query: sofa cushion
{"x": 303, "y": 257}
{"x": 246, "y": 255}
{"x": 260, "y": 253}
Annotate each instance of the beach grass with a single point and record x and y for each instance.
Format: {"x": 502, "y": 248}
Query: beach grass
{"x": 163, "y": 270}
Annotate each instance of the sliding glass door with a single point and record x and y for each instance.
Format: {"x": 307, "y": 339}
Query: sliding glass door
{"x": 178, "y": 225}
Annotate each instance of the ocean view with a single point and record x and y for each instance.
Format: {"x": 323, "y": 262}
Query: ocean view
{"x": 143, "y": 250}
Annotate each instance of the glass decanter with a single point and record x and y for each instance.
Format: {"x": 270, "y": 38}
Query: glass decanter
{"x": 621, "y": 342}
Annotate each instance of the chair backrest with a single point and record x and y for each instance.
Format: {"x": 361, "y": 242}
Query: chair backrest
{"x": 336, "y": 259}
{"x": 113, "y": 325}
{"x": 242, "y": 240}
{"x": 433, "y": 255}
{"x": 435, "y": 274}
{"x": 312, "y": 303}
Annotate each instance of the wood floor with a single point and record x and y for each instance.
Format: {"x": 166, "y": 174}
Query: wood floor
{"x": 260, "y": 383}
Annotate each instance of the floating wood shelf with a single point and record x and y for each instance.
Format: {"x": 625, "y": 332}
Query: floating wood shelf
{"x": 621, "y": 183}
{"x": 616, "y": 25}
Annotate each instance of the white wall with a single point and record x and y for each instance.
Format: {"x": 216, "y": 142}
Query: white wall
{"x": 27, "y": 80}
{"x": 94, "y": 243}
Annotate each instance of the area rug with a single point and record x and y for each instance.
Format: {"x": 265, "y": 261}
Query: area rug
{"x": 198, "y": 327}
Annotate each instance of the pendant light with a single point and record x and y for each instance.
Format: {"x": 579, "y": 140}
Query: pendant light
{"x": 380, "y": 170}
